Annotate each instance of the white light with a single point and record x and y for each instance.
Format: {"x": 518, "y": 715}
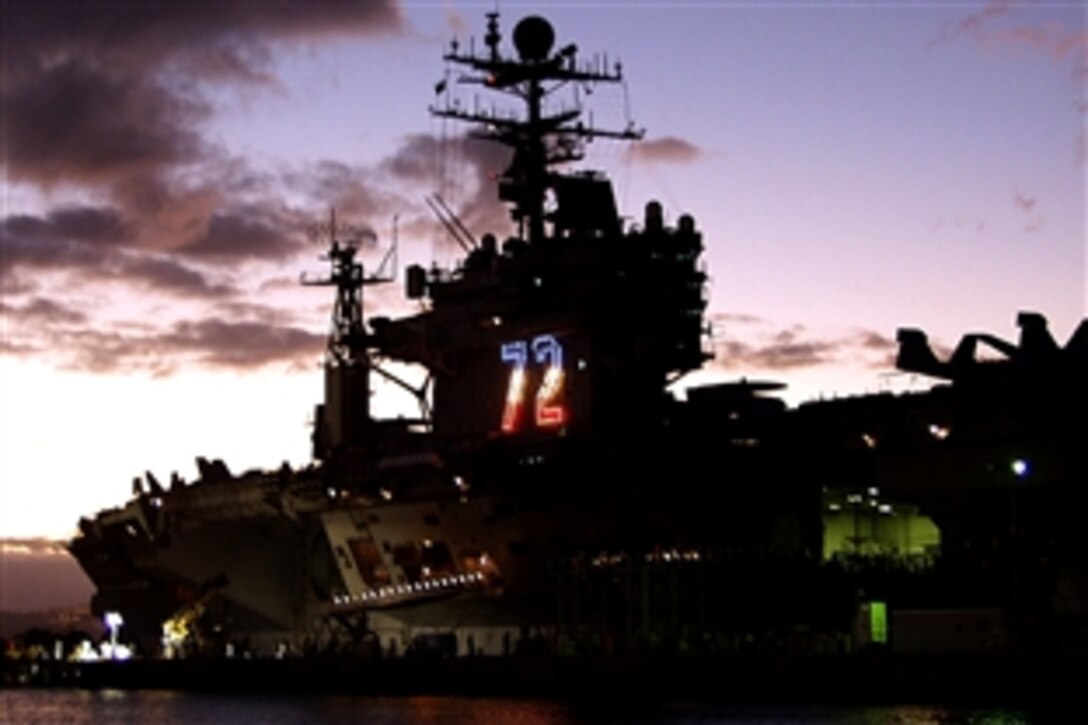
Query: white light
{"x": 939, "y": 432}
{"x": 885, "y": 508}
{"x": 113, "y": 623}
{"x": 1019, "y": 467}
{"x": 834, "y": 507}
{"x": 874, "y": 491}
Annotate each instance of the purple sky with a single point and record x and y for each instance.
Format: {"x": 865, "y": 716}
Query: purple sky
{"x": 854, "y": 167}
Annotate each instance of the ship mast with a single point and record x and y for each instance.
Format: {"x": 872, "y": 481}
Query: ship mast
{"x": 347, "y": 338}
{"x": 343, "y": 420}
{"x": 539, "y": 140}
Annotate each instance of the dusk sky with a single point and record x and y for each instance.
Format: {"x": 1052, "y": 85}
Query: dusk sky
{"x": 854, "y": 167}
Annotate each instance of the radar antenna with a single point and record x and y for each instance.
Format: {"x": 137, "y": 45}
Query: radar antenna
{"x": 348, "y": 337}
{"x": 539, "y": 140}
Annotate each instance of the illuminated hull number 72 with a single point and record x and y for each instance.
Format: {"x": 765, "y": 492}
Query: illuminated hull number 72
{"x": 548, "y": 409}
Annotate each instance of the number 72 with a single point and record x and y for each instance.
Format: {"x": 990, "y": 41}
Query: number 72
{"x": 549, "y": 411}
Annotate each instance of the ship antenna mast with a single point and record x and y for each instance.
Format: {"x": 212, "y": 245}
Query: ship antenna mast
{"x": 348, "y": 336}
{"x": 539, "y": 140}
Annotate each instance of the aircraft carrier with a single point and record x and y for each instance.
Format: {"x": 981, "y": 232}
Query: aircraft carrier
{"x": 554, "y": 495}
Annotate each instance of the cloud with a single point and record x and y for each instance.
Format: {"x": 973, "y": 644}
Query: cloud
{"x": 41, "y": 245}
{"x": 107, "y": 109}
{"x": 76, "y": 123}
{"x": 36, "y": 547}
{"x": 165, "y": 275}
{"x": 973, "y": 22}
{"x": 668, "y": 149}
{"x": 17, "y": 349}
{"x": 241, "y": 344}
{"x": 132, "y": 34}
{"x": 958, "y": 223}
{"x": 1052, "y": 38}
{"x": 466, "y": 169}
{"x": 1010, "y": 25}
{"x": 753, "y": 343}
{"x": 43, "y": 312}
{"x": 211, "y": 342}
{"x": 112, "y": 98}
{"x": 254, "y": 231}
{"x": 351, "y": 190}
{"x": 1024, "y": 202}
{"x": 95, "y": 225}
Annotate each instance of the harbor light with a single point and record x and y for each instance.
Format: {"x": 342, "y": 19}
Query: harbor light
{"x": 1019, "y": 468}
{"x": 113, "y": 621}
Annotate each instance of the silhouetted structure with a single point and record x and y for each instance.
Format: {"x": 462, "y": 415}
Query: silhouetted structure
{"x": 550, "y": 465}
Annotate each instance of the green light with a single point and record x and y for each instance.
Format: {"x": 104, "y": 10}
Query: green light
{"x": 878, "y": 622}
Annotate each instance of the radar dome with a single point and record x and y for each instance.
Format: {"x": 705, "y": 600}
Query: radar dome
{"x": 534, "y": 37}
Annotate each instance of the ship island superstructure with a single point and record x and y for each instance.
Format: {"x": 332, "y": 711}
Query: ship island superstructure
{"x": 553, "y": 483}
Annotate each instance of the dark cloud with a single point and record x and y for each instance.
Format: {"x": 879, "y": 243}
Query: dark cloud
{"x": 150, "y": 33}
{"x": 40, "y": 311}
{"x": 113, "y": 97}
{"x": 465, "y": 170}
{"x": 242, "y": 344}
{"x": 247, "y": 232}
{"x": 25, "y": 246}
{"x": 96, "y": 225}
{"x": 75, "y": 123}
{"x": 668, "y": 149}
{"x": 109, "y": 101}
{"x": 420, "y": 156}
{"x": 351, "y": 190}
{"x": 166, "y": 275}
{"x": 38, "y": 245}
{"x": 212, "y": 342}
{"x": 13, "y": 285}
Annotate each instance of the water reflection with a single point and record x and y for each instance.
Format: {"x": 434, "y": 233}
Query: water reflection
{"x": 75, "y": 707}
